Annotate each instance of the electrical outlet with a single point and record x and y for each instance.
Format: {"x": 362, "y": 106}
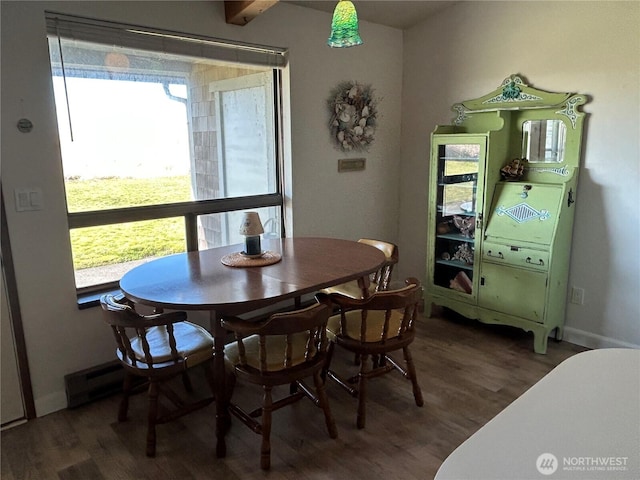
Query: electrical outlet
{"x": 577, "y": 295}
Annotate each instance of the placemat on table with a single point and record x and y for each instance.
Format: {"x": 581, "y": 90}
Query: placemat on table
{"x": 237, "y": 259}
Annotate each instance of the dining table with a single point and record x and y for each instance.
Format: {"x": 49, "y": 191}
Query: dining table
{"x": 206, "y": 280}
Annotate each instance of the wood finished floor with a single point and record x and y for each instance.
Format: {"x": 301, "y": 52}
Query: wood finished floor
{"x": 468, "y": 373}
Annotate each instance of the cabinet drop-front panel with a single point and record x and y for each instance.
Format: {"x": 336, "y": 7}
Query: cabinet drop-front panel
{"x": 524, "y": 212}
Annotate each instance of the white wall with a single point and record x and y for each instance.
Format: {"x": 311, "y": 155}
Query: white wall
{"x": 61, "y": 339}
{"x": 591, "y": 48}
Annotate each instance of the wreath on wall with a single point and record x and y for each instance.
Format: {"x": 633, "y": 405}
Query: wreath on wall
{"x": 353, "y": 110}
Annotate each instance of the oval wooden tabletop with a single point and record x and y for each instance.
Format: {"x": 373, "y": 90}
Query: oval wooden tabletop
{"x": 199, "y": 280}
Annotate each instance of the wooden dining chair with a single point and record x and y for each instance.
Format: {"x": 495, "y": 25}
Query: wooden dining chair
{"x": 372, "y": 328}
{"x": 283, "y": 350}
{"x": 379, "y": 280}
{"x": 158, "y": 348}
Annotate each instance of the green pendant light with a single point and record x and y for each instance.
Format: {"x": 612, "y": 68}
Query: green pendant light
{"x": 344, "y": 27}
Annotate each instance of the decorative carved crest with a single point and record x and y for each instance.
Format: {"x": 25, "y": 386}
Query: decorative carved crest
{"x": 514, "y": 94}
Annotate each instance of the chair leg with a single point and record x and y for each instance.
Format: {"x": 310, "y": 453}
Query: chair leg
{"x": 209, "y": 377}
{"x": 378, "y": 360}
{"x": 151, "y": 419}
{"x": 411, "y": 371}
{"x": 230, "y": 385}
{"x": 186, "y": 381}
{"x": 265, "y": 449}
{"x": 127, "y": 386}
{"x": 327, "y": 362}
{"x": 324, "y": 404}
{"x": 230, "y": 382}
{"x": 362, "y": 392}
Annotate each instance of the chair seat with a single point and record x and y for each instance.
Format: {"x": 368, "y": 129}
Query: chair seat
{"x": 349, "y": 289}
{"x": 194, "y": 344}
{"x": 275, "y": 346}
{"x": 375, "y": 324}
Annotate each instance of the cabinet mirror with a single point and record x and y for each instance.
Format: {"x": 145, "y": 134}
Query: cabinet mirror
{"x": 543, "y": 141}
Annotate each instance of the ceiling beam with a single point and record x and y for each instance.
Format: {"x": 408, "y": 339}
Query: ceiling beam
{"x": 242, "y": 12}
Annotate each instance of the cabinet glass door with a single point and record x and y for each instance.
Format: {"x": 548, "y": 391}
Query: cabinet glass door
{"x": 456, "y": 170}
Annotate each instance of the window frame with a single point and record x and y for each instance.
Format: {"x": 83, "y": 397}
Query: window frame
{"x": 100, "y": 32}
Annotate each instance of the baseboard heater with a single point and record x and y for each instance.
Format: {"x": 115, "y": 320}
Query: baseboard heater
{"x": 93, "y": 383}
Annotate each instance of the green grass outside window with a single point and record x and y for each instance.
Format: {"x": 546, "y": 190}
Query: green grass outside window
{"x": 111, "y": 244}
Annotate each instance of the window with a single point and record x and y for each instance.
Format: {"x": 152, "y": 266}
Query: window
{"x": 165, "y": 139}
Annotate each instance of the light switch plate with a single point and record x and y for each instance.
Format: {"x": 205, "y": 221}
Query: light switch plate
{"x": 28, "y": 199}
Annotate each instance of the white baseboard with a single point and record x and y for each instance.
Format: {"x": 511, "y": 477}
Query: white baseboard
{"x": 592, "y": 340}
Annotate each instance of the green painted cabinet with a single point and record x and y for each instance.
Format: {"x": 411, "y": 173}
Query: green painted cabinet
{"x": 502, "y": 185}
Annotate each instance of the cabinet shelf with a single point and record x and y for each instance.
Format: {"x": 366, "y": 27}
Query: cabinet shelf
{"x": 460, "y": 159}
{"x": 455, "y": 264}
{"x": 458, "y": 237}
{"x": 451, "y": 211}
{"x": 461, "y": 178}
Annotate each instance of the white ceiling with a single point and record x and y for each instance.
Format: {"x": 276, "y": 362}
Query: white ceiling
{"x": 399, "y": 13}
